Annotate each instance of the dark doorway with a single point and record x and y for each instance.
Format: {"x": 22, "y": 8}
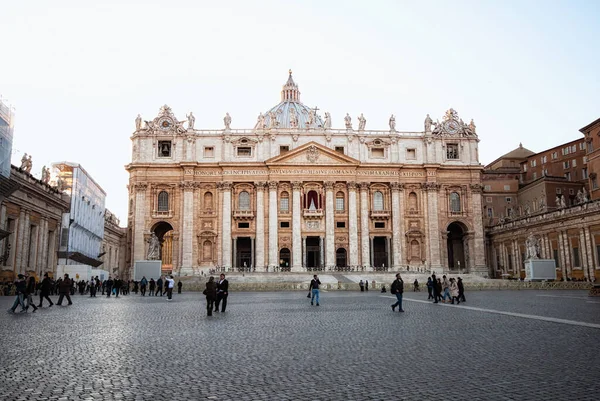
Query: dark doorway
{"x": 284, "y": 259}
{"x": 456, "y": 250}
{"x": 313, "y": 252}
{"x": 243, "y": 258}
{"x": 164, "y": 232}
{"x": 380, "y": 254}
{"x": 340, "y": 257}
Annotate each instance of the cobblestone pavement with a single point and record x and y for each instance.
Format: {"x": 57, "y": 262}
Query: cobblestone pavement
{"x": 275, "y": 346}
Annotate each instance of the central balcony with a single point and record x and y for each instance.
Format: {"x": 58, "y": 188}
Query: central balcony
{"x": 380, "y": 214}
{"x": 313, "y": 213}
{"x": 243, "y": 214}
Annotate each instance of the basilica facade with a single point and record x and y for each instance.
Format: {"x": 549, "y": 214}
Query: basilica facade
{"x": 293, "y": 193}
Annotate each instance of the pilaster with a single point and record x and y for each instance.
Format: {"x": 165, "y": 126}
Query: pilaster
{"x": 260, "y": 226}
{"x": 329, "y": 226}
{"x": 352, "y": 225}
{"x": 226, "y": 224}
{"x": 139, "y": 244}
{"x": 296, "y": 228}
{"x": 273, "y": 244}
{"x": 396, "y": 237}
{"x": 188, "y": 227}
{"x": 364, "y": 226}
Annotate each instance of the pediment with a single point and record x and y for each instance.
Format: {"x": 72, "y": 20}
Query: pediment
{"x": 313, "y": 153}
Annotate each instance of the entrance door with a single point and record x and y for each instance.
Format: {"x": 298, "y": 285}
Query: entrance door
{"x": 380, "y": 255}
{"x": 340, "y": 258}
{"x": 313, "y": 253}
{"x": 284, "y": 259}
{"x": 456, "y": 251}
{"x": 243, "y": 258}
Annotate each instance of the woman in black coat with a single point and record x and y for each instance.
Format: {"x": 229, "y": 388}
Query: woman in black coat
{"x": 45, "y": 290}
{"x": 211, "y": 295}
{"x": 29, "y": 293}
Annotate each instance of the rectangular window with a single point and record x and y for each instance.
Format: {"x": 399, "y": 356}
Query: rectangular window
{"x": 64, "y": 237}
{"x": 555, "y": 255}
{"x": 525, "y": 167}
{"x": 576, "y": 260}
{"x": 582, "y": 146}
{"x": 377, "y": 153}
{"x": 554, "y": 155}
{"x": 340, "y": 224}
{"x": 507, "y": 187}
{"x": 283, "y": 149}
{"x": 590, "y": 147}
{"x": 566, "y": 165}
{"x": 243, "y": 225}
{"x": 339, "y": 204}
{"x": 490, "y": 212}
{"x": 340, "y": 149}
{"x": 164, "y": 148}
{"x": 488, "y": 199}
{"x": 244, "y": 151}
{"x": 544, "y": 159}
{"x": 487, "y": 188}
{"x": 284, "y": 224}
{"x": 452, "y": 151}
{"x": 379, "y": 224}
{"x": 574, "y": 163}
{"x": 284, "y": 204}
{"x": 508, "y": 199}
{"x": 584, "y": 173}
{"x": 209, "y": 151}
{"x": 411, "y": 154}
{"x": 568, "y": 176}
{"x": 573, "y": 148}
{"x": 534, "y": 175}
{"x": 533, "y": 163}
{"x": 558, "y": 191}
{"x": 594, "y": 183}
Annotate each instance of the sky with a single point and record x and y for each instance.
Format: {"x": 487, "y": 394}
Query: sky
{"x": 78, "y": 72}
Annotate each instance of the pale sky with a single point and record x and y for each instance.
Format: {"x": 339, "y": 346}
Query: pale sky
{"x": 79, "y": 72}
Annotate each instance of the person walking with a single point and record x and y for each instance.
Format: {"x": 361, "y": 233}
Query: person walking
{"x": 29, "y": 290}
{"x": 159, "y": 286}
{"x": 64, "y": 290}
{"x": 397, "y": 289}
{"x": 170, "y": 285}
{"x": 366, "y": 285}
{"x": 429, "y": 288}
{"x": 314, "y": 286}
{"x": 454, "y": 291}
{"x": 143, "y": 284}
{"x": 152, "y": 286}
{"x": 20, "y": 288}
{"x": 45, "y": 290}
{"x": 211, "y": 295}
{"x": 446, "y": 289}
{"x": 117, "y": 286}
{"x": 362, "y": 286}
{"x": 179, "y": 285}
{"x": 416, "y": 286}
{"x": 109, "y": 286}
{"x": 434, "y": 288}
{"x": 93, "y": 288}
{"x": 461, "y": 290}
{"x": 222, "y": 293}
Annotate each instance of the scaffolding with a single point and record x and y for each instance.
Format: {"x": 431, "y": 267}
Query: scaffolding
{"x": 6, "y": 136}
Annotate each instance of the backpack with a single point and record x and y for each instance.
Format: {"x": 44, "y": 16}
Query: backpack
{"x": 393, "y": 288}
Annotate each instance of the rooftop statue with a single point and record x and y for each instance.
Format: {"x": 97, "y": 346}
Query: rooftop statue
{"x": 260, "y": 121}
{"x": 327, "y": 123}
{"x": 45, "y": 175}
{"x": 138, "y": 122}
{"x": 392, "y": 123}
{"x": 272, "y": 120}
{"x": 26, "y": 163}
{"x": 472, "y": 127}
{"x": 227, "y": 121}
{"x": 428, "y": 123}
{"x": 362, "y": 122}
{"x": 293, "y": 118}
{"x": 348, "y": 121}
{"x": 191, "y": 120}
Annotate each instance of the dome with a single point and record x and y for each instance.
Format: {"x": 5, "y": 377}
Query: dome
{"x": 291, "y": 112}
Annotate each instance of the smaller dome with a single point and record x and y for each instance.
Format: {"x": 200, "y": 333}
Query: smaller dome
{"x": 291, "y": 112}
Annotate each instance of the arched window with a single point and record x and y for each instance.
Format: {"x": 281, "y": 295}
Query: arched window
{"x": 455, "y": 202}
{"x": 207, "y": 250}
{"x": 208, "y": 200}
{"x": 163, "y": 201}
{"x": 339, "y": 201}
{"x": 244, "y": 201}
{"x": 412, "y": 202}
{"x": 377, "y": 201}
{"x": 284, "y": 202}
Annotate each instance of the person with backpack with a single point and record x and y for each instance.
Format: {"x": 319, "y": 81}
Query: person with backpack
{"x": 397, "y": 289}
{"x": 143, "y": 284}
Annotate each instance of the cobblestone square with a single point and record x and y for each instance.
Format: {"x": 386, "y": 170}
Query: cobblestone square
{"x": 499, "y": 345}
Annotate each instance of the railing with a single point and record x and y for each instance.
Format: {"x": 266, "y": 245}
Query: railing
{"x": 313, "y": 213}
{"x": 243, "y": 214}
{"x": 162, "y": 214}
{"x": 380, "y": 214}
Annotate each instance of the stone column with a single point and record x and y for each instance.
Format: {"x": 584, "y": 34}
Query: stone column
{"x": 25, "y": 243}
{"x": 139, "y": 243}
{"x": 396, "y": 238}
{"x": 329, "y": 226}
{"x": 561, "y": 254}
{"x": 273, "y": 247}
{"x": 187, "y": 240}
{"x": 43, "y": 252}
{"x": 589, "y": 246}
{"x": 352, "y": 225}
{"x": 372, "y": 253}
{"x": 260, "y": 227}
{"x": 226, "y": 225}
{"x": 433, "y": 226}
{"x": 252, "y": 255}
{"x": 478, "y": 248}
{"x": 364, "y": 226}
{"x": 234, "y": 257}
{"x": 296, "y": 227}
{"x": 304, "y": 253}
{"x": 321, "y": 253}
{"x": 582, "y": 250}
{"x": 568, "y": 256}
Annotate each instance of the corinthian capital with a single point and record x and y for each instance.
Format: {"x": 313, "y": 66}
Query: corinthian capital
{"x": 477, "y": 188}
{"x": 396, "y": 186}
{"x": 273, "y": 185}
{"x": 351, "y": 185}
{"x": 140, "y": 186}
{"x": 328, "y": 185}
{"x": 297, "y": 185}
{"x": 260, "y": 185}
{"x": 364, "y": 186}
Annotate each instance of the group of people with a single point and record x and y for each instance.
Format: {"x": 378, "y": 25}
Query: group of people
{"x": 26, "y": 287}
{"x": 158, "y": 287}
{"x": 216, "y": 293}
{"x": 445, "y": 290}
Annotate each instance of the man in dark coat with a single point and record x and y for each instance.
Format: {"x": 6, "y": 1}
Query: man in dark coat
{"x": 20, "y": 289}
{"x": 117, "y": 285}
{"x": 222, "y": 292}
{"x": 64, "y": 290}
{"x": 398, "y": 289}
{"x": 461, "y": 290}
{"x": 45, "y": 290}
{"x": 179, "y": 285}
{"x": 159, "y": 286}
{"x": 434, "y": 289}
{"x": 109, "y": 286}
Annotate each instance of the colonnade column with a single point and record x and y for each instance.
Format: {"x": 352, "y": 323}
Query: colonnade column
{"x": 273, "y": 247}
{"x": 187, "y": 240}
{"x": 296, "y": 227}
{"x": 234, "y": 246}
{"x": 583, "y": 251}
{"x": 433, "y": 225}
{"x": 259, "y": 253}
{"x": 226, "y": 225}
{"x": 562, "y": 256}
{"x": 329, "y": 222}
{"x": 304, "y": 253}
{"x": 43, "y": 252}
{"x": 396, "y": 238}
{"x": 364, "y": 226}
{"x": 352, "y": 225}
{"x": 25, "y": 244}
{"x": 590, "y": 250}
{"x": 139, "y": 244}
